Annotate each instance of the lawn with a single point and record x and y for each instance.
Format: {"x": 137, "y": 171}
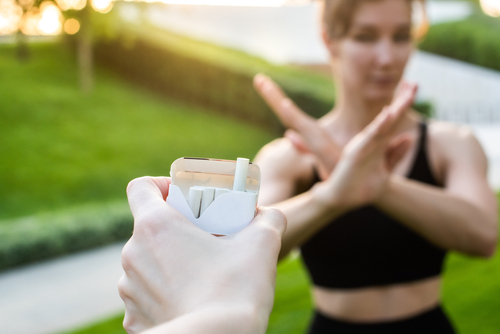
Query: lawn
{"x": 61, "y": 147}
{"x": 471, "y": 297}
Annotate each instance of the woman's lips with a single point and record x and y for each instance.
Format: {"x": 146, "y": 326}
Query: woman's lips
{"x": 383, "y": 81}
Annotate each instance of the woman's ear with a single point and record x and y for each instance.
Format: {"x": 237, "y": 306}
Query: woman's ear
{"x": 330, "y": 43}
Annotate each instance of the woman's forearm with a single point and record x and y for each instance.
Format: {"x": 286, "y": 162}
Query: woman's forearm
{"x": 306, "y": 214}
{"x": 445, "y": 219}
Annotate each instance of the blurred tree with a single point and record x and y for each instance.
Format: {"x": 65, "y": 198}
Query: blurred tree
{"x": 52, "y": 17}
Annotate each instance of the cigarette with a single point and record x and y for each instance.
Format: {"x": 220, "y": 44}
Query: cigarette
{"x": 240, "y": 175}
{"x": 194, "y": 200}
{"x": 220, "y": 191}
{"x": 207, "y": 198}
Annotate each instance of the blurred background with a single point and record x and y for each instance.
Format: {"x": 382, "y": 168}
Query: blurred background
{"x": 94, "y": 93}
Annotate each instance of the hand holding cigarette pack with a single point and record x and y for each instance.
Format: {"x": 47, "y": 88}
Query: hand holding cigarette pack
{"x": 218, "y": 196}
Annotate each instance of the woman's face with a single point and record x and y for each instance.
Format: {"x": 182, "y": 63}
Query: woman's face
{"x": 371, "y": 58}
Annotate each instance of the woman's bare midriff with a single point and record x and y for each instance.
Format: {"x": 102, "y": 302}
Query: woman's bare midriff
{"x": 378, "y": 304}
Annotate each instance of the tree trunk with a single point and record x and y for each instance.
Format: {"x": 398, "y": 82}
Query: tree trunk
{"x": 22, "y": 50}
{"x": 84, "y": 49}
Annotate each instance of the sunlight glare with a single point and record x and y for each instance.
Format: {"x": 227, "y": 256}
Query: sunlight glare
{"x": 102, "y": 6}
{"x": 71, "y": 4}
{"x": 491, "y": 7}
{"x": 50, "y": 20}
{"x": 249, "y": 3}
{"x": 46, "y": 20}
{"x": 10, "y": 16}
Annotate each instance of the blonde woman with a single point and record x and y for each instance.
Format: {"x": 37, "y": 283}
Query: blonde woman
{"x": 375, "y": 196}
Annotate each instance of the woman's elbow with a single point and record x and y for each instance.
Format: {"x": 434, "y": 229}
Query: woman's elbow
{"x": 489, "y": 243}
{"x": 491, "y": 246}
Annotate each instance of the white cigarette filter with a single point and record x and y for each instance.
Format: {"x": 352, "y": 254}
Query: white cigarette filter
{"x": 201, "y": 192}
{"x": 207, "y": 198}
{"x": 220, "y": 191}
{"x": 195, "y": 195}
{"x": 240, "y": 175}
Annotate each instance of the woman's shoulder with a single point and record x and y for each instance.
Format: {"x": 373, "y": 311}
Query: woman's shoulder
{"x": 452, "y": 143}
{"x": 280, "y": 158}
{"x": 447, "y": 134}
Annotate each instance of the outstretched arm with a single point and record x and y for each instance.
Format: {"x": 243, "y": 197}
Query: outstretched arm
{"x": 182, "y": 280}
{"x": 463, "y": 215}
{"x": 353, "y": 176}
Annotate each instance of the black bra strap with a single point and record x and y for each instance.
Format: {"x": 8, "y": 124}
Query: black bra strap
{"x": 423, "y": 138}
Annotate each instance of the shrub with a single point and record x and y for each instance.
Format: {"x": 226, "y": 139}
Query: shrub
{"x": 222, "y": 89}
{"x": 195, "y": 81}
{"x": 475, "y": 40}
{"x": 47, "y": 235}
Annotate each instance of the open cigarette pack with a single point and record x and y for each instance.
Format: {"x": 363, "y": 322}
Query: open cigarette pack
{"x": 218, "y": 196}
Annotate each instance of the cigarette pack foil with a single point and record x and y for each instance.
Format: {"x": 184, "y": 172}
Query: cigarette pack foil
{"x": 228, "y": 213}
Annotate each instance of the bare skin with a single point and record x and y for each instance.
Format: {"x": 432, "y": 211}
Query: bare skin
{"x": 180, "y": 279}
{"x": 361, "y": 164}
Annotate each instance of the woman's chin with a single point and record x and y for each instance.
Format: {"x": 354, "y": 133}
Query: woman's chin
{"x": 380, "y": 94}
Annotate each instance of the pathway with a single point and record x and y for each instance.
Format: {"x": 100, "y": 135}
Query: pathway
{"x": 61, "y": 294}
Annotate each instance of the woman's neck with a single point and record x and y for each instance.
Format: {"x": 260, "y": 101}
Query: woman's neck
{"x": 354, "y": 113}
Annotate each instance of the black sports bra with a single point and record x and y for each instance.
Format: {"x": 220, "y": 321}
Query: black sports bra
{"x": 365, "y": 247}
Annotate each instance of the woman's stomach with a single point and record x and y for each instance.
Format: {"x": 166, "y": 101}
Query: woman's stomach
{"x": 378, "y": 304}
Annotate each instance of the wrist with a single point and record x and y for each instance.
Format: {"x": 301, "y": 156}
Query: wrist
{"x": 248, "y": 317}
{"x": 385, "y": 195}
{"x": 328, "y": 201}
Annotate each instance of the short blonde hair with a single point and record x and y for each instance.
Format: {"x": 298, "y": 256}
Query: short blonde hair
{"x": 337, "y": 17}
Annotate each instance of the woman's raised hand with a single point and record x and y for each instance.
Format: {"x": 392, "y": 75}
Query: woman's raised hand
{"x": 369, "y": 158}
{"x": 357, "y": 174}
{"x": 305, "y": 132}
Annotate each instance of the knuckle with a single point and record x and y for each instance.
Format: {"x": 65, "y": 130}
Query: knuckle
{"x": 276, "y": 223}
{"x": 128, "y": 258}
{"x": 123, "y": 287}
{"x": 129, "y": 323}
{"x": 149, "y": 222}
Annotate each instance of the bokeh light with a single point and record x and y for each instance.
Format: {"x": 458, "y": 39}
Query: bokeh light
{"x": 491, "y": 7}
{"x": 102, "y": 6}
{"x": 50, "y": 20}
{"x": 46, "y": 20}
{"x": 10, "y": 16}
{"x": 71, "y": 4}
{"x": 71, "y": 26}
{"x": 248, "y": 3}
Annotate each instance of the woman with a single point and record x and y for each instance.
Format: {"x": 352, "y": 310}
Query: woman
{"x": 375, "y": 196}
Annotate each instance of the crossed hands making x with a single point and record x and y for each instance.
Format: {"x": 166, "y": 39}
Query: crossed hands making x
{"x": 358, "y": 173}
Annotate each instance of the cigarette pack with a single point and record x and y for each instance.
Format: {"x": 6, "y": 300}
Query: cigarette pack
{"x": 218, "y": 196}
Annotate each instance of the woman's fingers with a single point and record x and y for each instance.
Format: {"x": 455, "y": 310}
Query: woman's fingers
{"x": 288, "y": 113}
{"x": 297, "y": 141}
{"x": 385, "y": 124}
{"x": 308, "y": 135}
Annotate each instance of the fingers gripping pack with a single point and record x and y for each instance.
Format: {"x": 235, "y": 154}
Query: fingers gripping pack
{"x": 218, "y": 196}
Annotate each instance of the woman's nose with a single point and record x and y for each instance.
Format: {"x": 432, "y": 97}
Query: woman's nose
{"x": 385, "y": 52}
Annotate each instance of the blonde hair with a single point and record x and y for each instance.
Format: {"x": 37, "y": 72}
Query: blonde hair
{"x": 337, "y": 17}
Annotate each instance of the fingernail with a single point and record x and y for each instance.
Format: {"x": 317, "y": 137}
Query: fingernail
{"x": 259, "y": 79}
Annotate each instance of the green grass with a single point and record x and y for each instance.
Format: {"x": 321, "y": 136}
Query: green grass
{"x": 61, "y": 147}
{"x": 471, "y": 296}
